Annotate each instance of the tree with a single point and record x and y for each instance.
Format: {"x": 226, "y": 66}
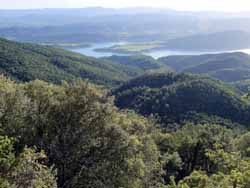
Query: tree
{"x": 25, "y": 170}
{"x": 31, "y": 173}
{"x": 88, "y": 140}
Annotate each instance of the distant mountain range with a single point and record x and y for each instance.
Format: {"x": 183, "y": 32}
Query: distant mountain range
{"x": 98, "y": 24}
{"x": 227, "y": 40}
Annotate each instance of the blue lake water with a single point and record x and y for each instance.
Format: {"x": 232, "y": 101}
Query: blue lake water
{"x": 90, "y": 51}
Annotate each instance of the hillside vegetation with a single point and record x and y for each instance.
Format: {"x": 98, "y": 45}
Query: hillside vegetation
{"x": 73, "y": 136}
{"x": 88, "y": 141}
{"x": 137, "y": 64}
{"x": 158, "y": 130}
{"x": 25, "y": 62}
{"x": 72, "y": 121}
{"x": 177, "y": 98}
{"x": 233, "y": 68}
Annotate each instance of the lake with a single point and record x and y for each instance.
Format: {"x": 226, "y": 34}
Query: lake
{"x": 90, "y": 51}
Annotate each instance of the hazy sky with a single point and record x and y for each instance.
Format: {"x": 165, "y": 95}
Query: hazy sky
{"x": 225, "y": 5}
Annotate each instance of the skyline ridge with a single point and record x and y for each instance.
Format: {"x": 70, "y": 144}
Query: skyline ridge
{"x": 222, "y": 5}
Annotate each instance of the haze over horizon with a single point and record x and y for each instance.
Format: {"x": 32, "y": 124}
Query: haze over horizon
{"x": 188, "y": 5}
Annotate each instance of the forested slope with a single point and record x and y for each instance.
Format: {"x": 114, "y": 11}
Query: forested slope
{"x": 176, "y": 98}
{"x": 87, "y": 141}
{"x": 229, "y": 67}
{"x": 73, "y": 136}
{"x": 136, "y": 65}
{"x": 25, "y": 62}
{"x": 193, "y": 132}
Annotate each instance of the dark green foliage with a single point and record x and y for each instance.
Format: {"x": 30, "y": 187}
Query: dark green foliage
{"x": 137, "y": 64}
{"x": 154, "y": 81}
{"x": 225, "y": 60}
{"x": 206, "y": 156}
{"x": 176, "y": 98}
{"x": 25, "y": 62}
{"x": 140, "y": 61}
{"x": 232, "y": 75}
{"x": 191, "y": 143}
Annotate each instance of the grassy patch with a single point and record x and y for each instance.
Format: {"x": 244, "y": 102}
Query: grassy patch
{"x": 132, "y": 48}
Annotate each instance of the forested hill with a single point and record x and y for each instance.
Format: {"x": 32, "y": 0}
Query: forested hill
{"x": 73, "y": 135}
{"x": 176, "y": 98}
{"x": 136, "y": 65}
{"x": 25, "y": 62}
{"x": 228, "y": 67}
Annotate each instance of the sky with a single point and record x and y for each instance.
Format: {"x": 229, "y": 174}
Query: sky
{"x": 193, "y": 5}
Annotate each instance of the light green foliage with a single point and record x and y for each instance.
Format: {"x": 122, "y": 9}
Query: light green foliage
{"x": 24, "y": 170}
{"x": 7, "y": 159}
{"x": 90, "y": 143}
{"x": 132, "y": 48}
{"x": 242, "y": 144}
{"x": 30, "y": 173}
{"x": 87, "y": 140}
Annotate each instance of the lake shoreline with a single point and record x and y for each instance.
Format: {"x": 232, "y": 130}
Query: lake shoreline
{"x": 103, "y": 50}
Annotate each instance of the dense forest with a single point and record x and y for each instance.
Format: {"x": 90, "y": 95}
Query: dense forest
{"x": 177, "y": 98}
{"x": 73, "y": 136}
{"x": 72, "y": 121}
{"x": 233, "y": 68}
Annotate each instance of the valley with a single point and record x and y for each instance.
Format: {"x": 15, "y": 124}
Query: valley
{"x": 132, "y": 97}
{"x": 116, "y": 106}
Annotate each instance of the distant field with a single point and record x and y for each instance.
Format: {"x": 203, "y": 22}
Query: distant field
{"x": 132, "y": 48}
